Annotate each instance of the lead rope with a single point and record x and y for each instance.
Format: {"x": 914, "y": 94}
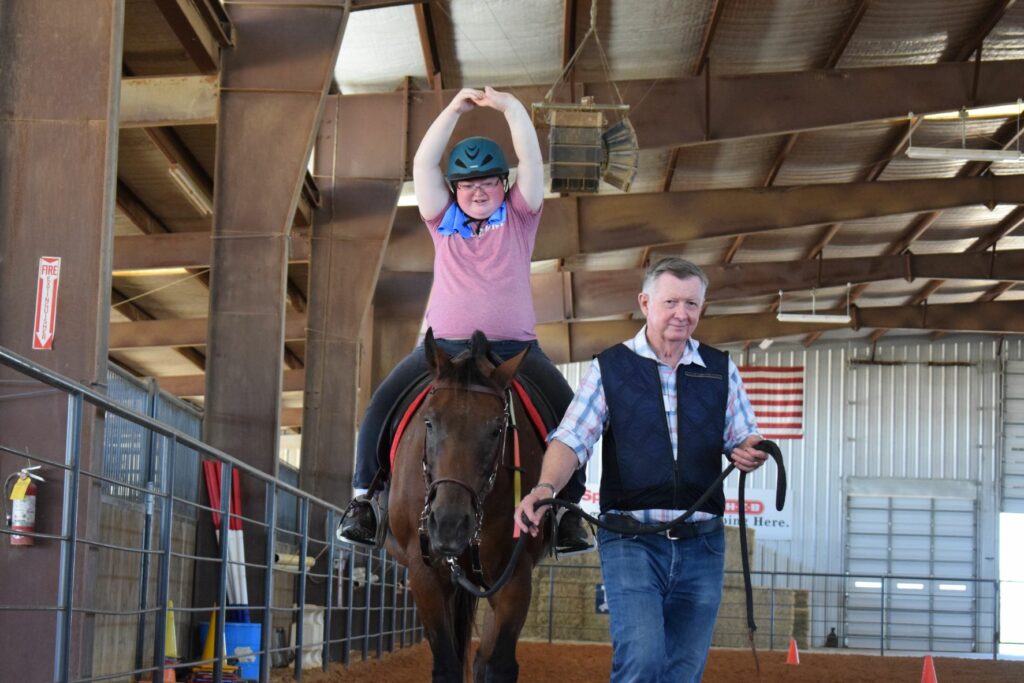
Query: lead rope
{"x": 748, "y": 589}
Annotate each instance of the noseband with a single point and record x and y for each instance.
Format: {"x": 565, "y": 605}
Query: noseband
{"x": 477, "y": 497}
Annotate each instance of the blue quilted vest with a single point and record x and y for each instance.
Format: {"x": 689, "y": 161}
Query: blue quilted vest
{"x": 639, "y": 471}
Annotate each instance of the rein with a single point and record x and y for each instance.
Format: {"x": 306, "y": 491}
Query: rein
{"x": 769, "y": 447}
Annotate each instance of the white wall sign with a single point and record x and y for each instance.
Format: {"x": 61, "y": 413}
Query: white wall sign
{"x": 768, "y": 523}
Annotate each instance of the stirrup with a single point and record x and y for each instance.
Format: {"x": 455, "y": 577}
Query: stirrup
{"x": 591, "y": 546}
{"x": 379, "y": 509}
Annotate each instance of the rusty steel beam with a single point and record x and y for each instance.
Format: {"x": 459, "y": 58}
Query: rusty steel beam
{"x": 194, "y": 386}
{"x": 137, "y": 313}
{"x": 269, "y": 91}
{"x": 185, "y": 250}
{"x": 168, "y": 101}
{"x": 361, "y": 5}
{"x": 183, "y": 332}
{"x": 588, "y": 338}
{"x": 601, "y": 293}
{"x": 428, "y": 43}
{"x": 672, "y": 112}
{"x": 604, "y": 223}
{"x": 582, "y": 295}
{"x": 977, "y": 37}
{"x": 851, "y": 27}
{"x": 569, "y": 10}
{"x": 780, "y": 158}
{"x": 61, "y": 70}
{"x": 594, "y": 224}
{"x": 618, "y": 222}
{"x": 350, "y": 234}
{"x": 202, "y": 26}
{"x": 708, "y": 37}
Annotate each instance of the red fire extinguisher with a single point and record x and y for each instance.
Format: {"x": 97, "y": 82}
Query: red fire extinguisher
{"x": 23, "y": 509}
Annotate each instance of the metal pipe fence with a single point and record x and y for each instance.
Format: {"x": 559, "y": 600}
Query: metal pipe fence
{"x": 883, "y": 614}
{"x": 364, "y": 592}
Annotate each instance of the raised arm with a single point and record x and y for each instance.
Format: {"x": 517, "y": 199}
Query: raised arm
{"x": 432, "y": 192}
{"x": 530, "y": 172}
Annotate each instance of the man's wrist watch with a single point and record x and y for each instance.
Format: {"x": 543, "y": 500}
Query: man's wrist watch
{"x": 546, "y": 485}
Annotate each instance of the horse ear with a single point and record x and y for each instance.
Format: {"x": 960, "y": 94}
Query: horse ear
{"x": 504, "y": 373}
{"x": 436, "y": 358}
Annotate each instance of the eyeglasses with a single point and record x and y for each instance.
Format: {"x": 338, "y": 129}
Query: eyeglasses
{"x": 486, "y": 185}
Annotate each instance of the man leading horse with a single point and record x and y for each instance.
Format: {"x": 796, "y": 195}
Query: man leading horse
{"x": 668, "y": 408}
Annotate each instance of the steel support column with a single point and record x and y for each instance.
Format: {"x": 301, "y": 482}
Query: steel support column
{"x": 271, "y": 100}
{"x": 360, "y": 166}
{"x": 59, "y": 95}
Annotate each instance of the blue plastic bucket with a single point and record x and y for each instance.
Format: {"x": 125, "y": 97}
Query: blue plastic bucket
{"x": 241, "y": 640}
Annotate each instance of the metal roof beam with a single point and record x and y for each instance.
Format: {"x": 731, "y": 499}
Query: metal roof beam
{"x": 569, "y": 342}
{"x": 202, "y": 26}
{"x": 593, "y": 224}
{"x": 670, "y": 112}
{"x": 169, "y": 101}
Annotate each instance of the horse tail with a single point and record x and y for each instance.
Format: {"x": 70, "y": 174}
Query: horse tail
{"x": 464, "y": 609}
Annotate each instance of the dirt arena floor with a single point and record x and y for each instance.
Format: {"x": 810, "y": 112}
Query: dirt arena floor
{"x": 583, "y": 663}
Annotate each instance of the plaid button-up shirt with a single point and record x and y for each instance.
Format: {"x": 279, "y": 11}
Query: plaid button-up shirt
{"x": 587, "y": 416}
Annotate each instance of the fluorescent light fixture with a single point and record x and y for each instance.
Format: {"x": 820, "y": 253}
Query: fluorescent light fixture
{"x": 823, "y": 318}
{"x": 813, "y": 316}
{"x": 998, "y": 111}
{"x": 193, "y": 193}
{"x": 958, "y": 587}
{"x": 910, "y": 586}
{"x": 867, "y": 584}
{"x": 964, "y": 154}
{"x": 765, "y": 343}
{"x": 150, "y": 272}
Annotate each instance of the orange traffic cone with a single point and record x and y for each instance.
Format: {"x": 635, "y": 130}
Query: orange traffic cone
{"x": 928, "y": 672}
{"x": 793, "y": 656}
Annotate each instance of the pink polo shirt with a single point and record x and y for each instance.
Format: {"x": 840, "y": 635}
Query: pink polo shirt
{"x": 483, "y": 283}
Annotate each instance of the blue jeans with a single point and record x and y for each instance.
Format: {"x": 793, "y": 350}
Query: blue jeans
{"x": 663, "y": 598}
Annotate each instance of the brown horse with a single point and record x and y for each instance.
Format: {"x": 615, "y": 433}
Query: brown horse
{"x": 453, "y": 478}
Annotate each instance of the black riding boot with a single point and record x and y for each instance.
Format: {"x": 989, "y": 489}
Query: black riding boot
{"x": 360, "y": 523}
{"x": 571, "y": 536}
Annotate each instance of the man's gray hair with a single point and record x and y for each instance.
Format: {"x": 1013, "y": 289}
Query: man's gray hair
{"x": 681, "y": 268}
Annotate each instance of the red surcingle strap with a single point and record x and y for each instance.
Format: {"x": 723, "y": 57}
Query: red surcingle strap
{"x": 405, "y": 421}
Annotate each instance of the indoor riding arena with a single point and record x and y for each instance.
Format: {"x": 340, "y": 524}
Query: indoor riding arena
{"x": 213, "y": 254}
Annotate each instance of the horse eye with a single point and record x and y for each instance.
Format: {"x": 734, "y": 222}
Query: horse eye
{"x": 428, "y": 423}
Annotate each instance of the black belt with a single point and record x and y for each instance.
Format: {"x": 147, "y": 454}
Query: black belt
{"x": 679, "y": 532}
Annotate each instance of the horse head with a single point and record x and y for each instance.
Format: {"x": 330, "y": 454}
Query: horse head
{"x": 467, "y": 435}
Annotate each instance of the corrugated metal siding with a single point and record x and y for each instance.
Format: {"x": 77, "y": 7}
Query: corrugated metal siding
{"x": 908, "y": 421}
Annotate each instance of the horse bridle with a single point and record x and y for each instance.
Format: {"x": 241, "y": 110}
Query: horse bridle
{"x": 477, "y": 497}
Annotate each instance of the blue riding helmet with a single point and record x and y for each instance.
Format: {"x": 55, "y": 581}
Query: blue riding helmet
{"x": 476, "y": 157}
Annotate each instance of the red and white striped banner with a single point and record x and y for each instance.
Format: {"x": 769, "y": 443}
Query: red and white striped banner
{"x": 777, "y": 396}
